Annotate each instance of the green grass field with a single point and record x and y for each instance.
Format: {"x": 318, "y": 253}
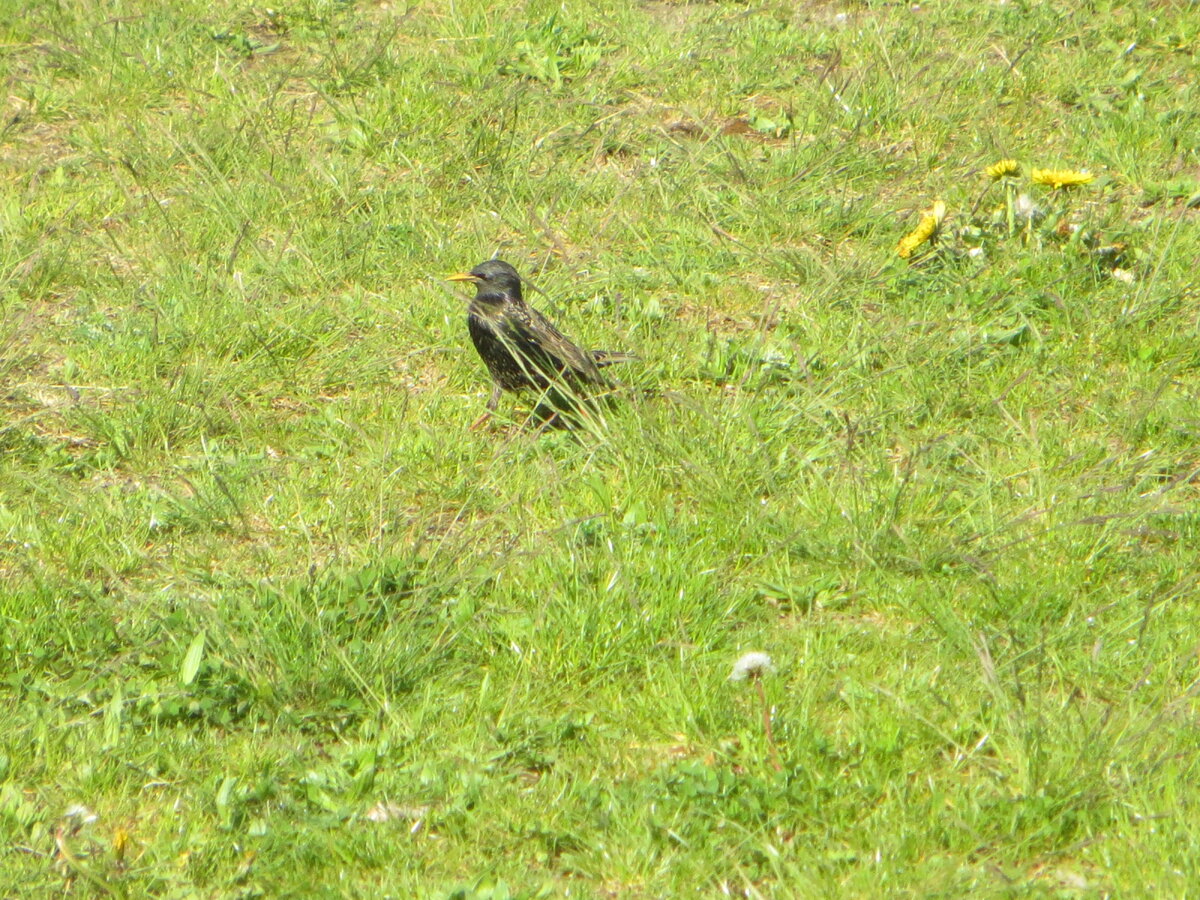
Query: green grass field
{"x": 276, "y": 623}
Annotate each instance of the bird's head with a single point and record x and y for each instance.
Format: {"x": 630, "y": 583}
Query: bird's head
{"x": 494, "y": 277}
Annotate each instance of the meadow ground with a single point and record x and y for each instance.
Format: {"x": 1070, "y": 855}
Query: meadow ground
{"x": 277, "y": 624}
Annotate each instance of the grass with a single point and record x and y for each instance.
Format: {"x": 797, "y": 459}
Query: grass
{"x": 262, "y": 587}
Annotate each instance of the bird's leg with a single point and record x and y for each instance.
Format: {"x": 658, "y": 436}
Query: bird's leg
{"x": 491, "y": 407}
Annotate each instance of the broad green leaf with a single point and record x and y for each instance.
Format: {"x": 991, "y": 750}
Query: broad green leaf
{"x": 191, "y": 661}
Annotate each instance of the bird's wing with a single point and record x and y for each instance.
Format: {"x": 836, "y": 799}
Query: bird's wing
{"x": 539, "y": 331}
{"x": 604, "y": 358}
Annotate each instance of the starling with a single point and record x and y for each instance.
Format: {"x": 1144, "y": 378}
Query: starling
{"x": 520, "y": 346}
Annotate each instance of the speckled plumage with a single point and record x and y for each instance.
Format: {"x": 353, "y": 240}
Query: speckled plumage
{"x": 520, "y": 347}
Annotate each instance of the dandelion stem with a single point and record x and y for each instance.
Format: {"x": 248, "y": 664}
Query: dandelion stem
{"x": 73, "y": 863}
{"x": 979, "y": 200}
{"x": 1009, "y": 214}
{"x": 770, "y": 735}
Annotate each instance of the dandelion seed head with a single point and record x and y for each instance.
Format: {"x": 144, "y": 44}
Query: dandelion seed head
{"x": 387, "y": 811}
{"x": 752, "y": 665}
{"x": 1025, "y": 209}
{"x": 80, "y": 813}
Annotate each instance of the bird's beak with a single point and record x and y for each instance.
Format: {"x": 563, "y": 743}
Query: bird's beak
{"x": 463, "y": 276}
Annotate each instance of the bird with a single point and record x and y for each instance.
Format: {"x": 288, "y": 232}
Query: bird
{"x": 521, "y": 347}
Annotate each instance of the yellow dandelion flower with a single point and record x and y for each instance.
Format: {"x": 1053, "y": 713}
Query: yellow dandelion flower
{"x": 926, "y": 229}
{"x": 120, "y": 843}
{"x": 1002, "y": 169}
{"x": 1061, "y": 178}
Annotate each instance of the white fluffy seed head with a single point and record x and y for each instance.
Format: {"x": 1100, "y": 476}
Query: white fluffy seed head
{"x": 752, "y": 665}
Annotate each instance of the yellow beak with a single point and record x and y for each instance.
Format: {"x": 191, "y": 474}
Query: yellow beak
{"x": 462, "y": 276}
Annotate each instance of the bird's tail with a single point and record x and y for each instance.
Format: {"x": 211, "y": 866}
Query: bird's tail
{"x": 604, "y": 358}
